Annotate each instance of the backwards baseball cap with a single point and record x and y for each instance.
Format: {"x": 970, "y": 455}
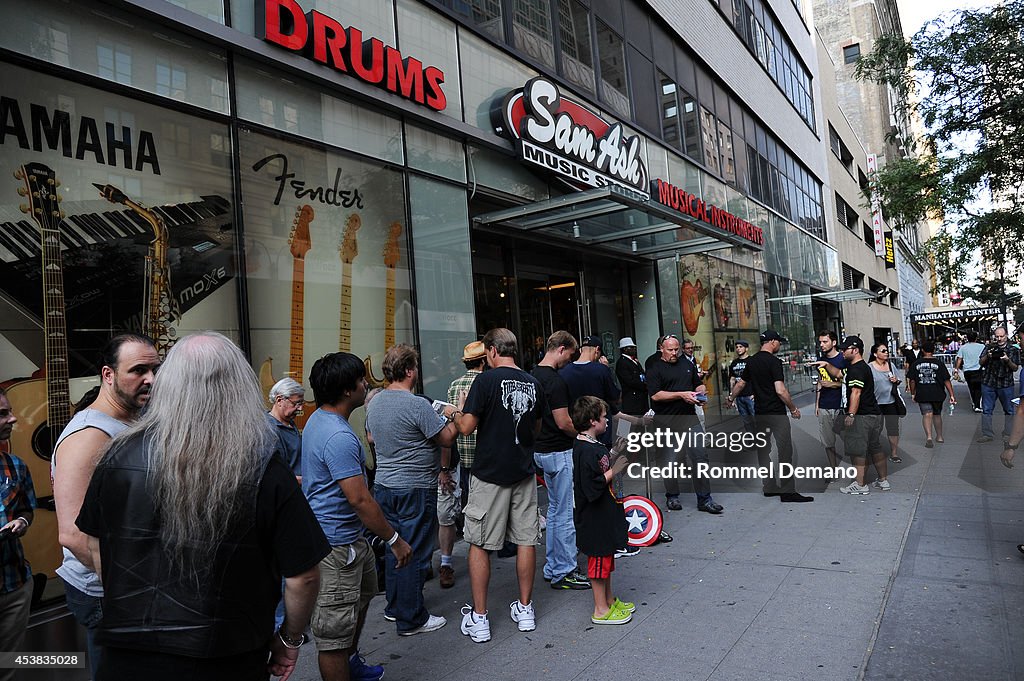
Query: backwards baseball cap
{"x": 591, "y": 342}
{"x": 852, "y": 342}
{"x": 772, "y": 335}
{"x": 743, "y": 343}
{"x": 626, "y": 342}
{"x": 472, "y": 351}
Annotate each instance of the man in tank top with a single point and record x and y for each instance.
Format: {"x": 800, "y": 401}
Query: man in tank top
{"x": 128, "y": 366}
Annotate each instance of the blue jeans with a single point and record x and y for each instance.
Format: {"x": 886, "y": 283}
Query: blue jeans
{"x": 561, "y": 531}
{"x": 745, "y": 406}
{"x": 989, "y": 395}
{"x": 413, "y": 514}
{"x": 279, "y": 613}
{"x": 88, "y": 611}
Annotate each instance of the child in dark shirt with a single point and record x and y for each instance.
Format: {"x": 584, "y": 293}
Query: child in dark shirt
{"x": 600, "y": 522}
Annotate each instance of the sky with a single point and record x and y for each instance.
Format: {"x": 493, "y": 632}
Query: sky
{"x": 914, "y": 13}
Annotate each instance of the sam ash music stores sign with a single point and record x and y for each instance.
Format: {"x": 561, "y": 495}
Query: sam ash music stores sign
{"x": 566, "y": 138}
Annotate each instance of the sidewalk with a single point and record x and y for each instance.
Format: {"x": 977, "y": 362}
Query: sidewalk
{"x": 923, "y": 582}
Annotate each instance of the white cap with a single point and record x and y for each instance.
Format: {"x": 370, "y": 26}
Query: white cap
{"x": 626, "y": 342}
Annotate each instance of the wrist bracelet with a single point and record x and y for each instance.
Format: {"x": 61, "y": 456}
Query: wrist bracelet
{"x": 27, "y": 523}
{"x": 288, "y": 642}
{"x": 391, "y": 542}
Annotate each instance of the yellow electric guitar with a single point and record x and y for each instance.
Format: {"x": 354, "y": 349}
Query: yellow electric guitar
{"x": 348, "y": 251}
{"x": 299, "y": 243}
{"x": 391, "y": 257}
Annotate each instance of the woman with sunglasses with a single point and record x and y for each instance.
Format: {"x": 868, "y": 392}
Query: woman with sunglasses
{"x": 887, "y": 383}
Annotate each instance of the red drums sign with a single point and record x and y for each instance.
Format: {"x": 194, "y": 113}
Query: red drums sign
{"x": 325, "y": 40}
{"x": 562, "y": 136}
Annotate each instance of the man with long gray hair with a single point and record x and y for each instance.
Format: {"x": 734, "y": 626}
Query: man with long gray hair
{"x": 192, "y": 522}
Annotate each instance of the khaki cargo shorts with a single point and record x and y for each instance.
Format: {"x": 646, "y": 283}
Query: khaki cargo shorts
{"x": 825, "y": 419}
{"x": 496, "y": 512}
{"x": 348, "y": 582}
{"x": 448, "y": 503}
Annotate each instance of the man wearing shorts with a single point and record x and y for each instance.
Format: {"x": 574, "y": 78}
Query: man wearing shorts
{"x": 929, "y": 384}
{"x": 830, "y": 392}
{"x": 504, "y": 406}
{"x": 863, "y": 419}
{"x": 334, "y": 482}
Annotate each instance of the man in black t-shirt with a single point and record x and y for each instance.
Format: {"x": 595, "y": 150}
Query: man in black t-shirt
{"x": 863, "y": 419}
{"x": 745, "y": 400}
{"x": 929, "y": 384}
{"x": 504, "y": 406}
{"x": 771, "y": 401}
{"x": 553, "y": 457}
{"x": 674, "y": 397}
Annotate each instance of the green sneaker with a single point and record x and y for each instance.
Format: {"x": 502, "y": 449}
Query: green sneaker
{"x": 614, "y": 616}
{"x": 624, "y": 606}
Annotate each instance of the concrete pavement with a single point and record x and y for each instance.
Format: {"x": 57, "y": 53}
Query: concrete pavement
{"x": 922, "y": 582}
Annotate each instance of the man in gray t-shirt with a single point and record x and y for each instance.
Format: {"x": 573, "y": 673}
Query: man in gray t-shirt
{"x": 407, "y": 435}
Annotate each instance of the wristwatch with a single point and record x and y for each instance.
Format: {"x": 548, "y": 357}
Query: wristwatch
{"x": 1013, "y": 447}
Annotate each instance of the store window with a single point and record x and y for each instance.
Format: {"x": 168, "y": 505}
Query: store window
{"x": 576, "y": 51}
{"x": 487, "y": 73}
{"x": 304, "y": 110}
{"x": 531, "y": 30}
{"x": 444, "y": 280}
{"x": 119, "y": 48}
{"x": 163, "y": 196}
{"x": 614, "y": 87}
{"x": 327, "y": 265}
{"x": 670, "y": 131}
{"x": 709, "y": 135}
{"x": 435, "y": 154}
{"x": 432, "y": 38}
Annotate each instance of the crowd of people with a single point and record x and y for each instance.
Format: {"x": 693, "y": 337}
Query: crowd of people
{"x": 205, "y": 537}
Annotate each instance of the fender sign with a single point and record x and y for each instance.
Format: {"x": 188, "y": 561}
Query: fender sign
{"x": 325, "y": 40}
{"x": 564, "y": 137}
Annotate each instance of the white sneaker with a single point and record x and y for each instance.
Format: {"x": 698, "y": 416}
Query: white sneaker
{"x": 523, "y": 615}
{"x": 883, "y": 485}
{"x": 433, "y": 623}
{"x": 475, "y": 626}
{"x": 854, "y": 488}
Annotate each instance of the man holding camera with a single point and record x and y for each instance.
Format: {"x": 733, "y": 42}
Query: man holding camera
{"x": 998, "y": 363}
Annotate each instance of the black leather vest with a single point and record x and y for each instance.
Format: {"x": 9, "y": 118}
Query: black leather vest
{"x": 148, "y": 604}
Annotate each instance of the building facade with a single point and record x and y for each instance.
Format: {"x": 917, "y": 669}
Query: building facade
{"x": 308, "y": 177}
{"x": 870, "y": 302}
{"x": 848, "y": 30}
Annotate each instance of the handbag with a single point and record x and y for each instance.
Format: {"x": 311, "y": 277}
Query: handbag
{"x": 901, "y": 406}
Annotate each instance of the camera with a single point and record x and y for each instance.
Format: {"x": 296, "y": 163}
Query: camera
{"x": 996, "y": 353}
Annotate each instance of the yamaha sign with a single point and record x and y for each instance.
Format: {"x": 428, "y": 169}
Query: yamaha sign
{"x": 564, "y": 137}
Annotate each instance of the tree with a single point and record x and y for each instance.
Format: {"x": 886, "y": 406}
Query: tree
{"x": 966, "y": 73}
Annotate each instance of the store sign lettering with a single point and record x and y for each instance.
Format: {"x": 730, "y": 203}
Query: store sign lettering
{"x": 331, "y": 196}
{"x": 564, "y": 137}
{"x": 116, "y": 144}
{"x": 325, "y": 40}
{"x": 685, "y": 202}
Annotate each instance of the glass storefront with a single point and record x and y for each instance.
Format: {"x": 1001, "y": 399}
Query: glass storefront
{"x": 300, "y": 219}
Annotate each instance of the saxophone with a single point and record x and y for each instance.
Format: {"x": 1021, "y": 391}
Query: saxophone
{"x": 160, "y": 309}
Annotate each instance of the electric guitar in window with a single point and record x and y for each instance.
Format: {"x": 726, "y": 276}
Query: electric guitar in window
{"x": 391, "y": 256}
{"x": 299, "y": 243}
{"x": 348, "y": 251}
{"x": 43, "y": 405}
